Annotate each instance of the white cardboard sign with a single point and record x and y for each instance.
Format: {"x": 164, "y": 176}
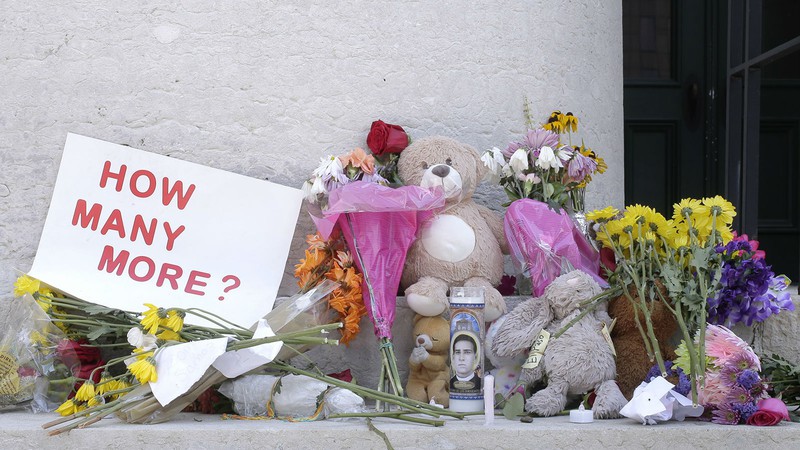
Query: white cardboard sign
{"x": 127, "y": 227}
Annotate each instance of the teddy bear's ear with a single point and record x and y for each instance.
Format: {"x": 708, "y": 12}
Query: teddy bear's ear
{"x": 480, "y": 168}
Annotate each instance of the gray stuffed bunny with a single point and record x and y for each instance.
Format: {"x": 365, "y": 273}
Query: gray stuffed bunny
{"x": 576, "y": 362}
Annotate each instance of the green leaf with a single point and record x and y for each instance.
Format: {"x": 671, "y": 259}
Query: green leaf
{"x": 97, "y": 332}
{"x": 548, "y": 190}
{"x": 515, "y": 407}
{"x": 97, "y": 309}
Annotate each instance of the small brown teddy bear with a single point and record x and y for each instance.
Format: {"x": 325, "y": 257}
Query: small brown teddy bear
{"x": 428, "y": 373}
{"x": 463, "y": 244}
{"x": 633, "y": 363}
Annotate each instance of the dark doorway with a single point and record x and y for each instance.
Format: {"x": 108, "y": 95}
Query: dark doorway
{"x": 712, "y": 95}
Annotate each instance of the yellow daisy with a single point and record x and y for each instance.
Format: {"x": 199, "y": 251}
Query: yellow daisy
{"x": 602, "y": 215}
{"x": 144, "y": 370}
{"x": 640, "y": 214}
{"x": 723, "y": 209}
{"x": 169, "y": 335}
{"x": 86, "y": 391}
{"x": 175, "y": 319}
{"x": 152, "y": 318}
{"x": 26, "y": 285}
{"x": 69, "y": 407}
{"x": 570, "y": 121}
{"x": 688, "y": 206}
{"x": 554, "y": 124}
{"x": 96, "y": 400}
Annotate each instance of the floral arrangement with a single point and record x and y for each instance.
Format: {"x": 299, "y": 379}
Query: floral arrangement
{"x": 329, "y": 259}
{"x": 687, "y": 256}
{"x": 750, "y": 292}
{"x": 733, "y": 391}
{"x": 334, "y": 172}
{"x": 543, "y": 167}
{"x": 121, "y": 385}
{"x": 386, "y": 141}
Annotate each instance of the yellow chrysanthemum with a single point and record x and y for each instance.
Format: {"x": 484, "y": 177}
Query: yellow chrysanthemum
{"x": 175, "y": 319}
{"x": 106, "y": 384}
{"x": 86, "y": 391}
{"x": 96, "y": 400}
{"x": 723, "y": 209}
{"x": 602, "y": 215}
{"x": 680, "y": 240}
{"x": 144, "y": 370}
{"x": 688, "y": 206}
{"x": 68, "y": 408}
{"x": 169, "y": 335}
{"x": 26, "y": 285}
{"x": 639, "y": 213}
{"x": 152, "y": 318}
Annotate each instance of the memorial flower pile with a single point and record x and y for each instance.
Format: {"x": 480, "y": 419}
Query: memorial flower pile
{"x": 707, "y": 274}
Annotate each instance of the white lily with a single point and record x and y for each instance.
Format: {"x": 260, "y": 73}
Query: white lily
{"x": 494, "y": 161}
{"x": 519, "y": 161}
{"x": 547, "y": 159}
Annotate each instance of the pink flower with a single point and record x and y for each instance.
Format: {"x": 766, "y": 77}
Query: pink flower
{"x": 771, "y": 411}
{"x": 723, "y": 345}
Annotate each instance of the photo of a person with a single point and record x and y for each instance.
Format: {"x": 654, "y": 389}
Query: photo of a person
{"x": 464, "y": 364}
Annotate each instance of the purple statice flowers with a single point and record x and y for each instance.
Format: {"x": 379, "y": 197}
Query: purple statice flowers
{"x": 750, "y": 292}
{"x": 683, "y": 386}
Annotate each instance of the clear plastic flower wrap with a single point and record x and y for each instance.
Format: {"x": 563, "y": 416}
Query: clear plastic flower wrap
{"x": 28, "y": 356}
{"x": 298, "y": 397}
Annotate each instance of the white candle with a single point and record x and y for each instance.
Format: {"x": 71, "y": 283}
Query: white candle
{"x": 488, "y": 398}
{"x": 581, "y": 415}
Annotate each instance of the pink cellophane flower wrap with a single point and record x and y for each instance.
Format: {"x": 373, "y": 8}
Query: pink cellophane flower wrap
{"x": 379, "y": 224}
{"x": 542, "y": 241}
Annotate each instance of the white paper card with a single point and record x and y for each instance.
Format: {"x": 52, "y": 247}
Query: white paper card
{"x": 238, "y": 362}
{"x": 127, "y": 227}
{"x": 180, "y": 366}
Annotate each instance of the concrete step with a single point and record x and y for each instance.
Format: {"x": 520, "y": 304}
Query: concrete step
{"x": 190, "y": 431}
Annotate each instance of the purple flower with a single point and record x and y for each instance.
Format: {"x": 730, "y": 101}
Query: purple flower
{"x": 725, "y": 414}
{"x": 682, "y": 387}
{"x": 536, "y": 139}
{"x": 750, "y": 291}
{"x": 580, "y": 166}
{"x": 748, "y": 378}
{"x": 746, "y": 409}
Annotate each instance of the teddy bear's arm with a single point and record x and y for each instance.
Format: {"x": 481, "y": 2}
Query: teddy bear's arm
{"x": 495, "y": 225}
{"x": 435, "y": 363}
{"x": 522, "y": 326}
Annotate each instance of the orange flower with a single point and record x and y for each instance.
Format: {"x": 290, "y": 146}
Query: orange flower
{"x": 312, "y": 260}
{"x": 352, "y": 278}
{"x": 360, "y": 159}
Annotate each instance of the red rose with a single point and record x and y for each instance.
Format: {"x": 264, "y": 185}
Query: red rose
{"x": 78, "y": 357}
{"x": 386, "y": 138}
{"x": 771, "y": 411}
{"x": 344, "y": 375}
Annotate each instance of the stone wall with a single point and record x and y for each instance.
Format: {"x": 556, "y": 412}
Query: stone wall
{"x": 266, "y": 88}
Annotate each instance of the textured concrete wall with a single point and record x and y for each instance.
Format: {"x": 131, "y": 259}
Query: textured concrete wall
{"x": 265, "y": 88}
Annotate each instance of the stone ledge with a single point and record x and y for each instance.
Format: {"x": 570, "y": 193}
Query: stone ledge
{"x": 23, "y": 430}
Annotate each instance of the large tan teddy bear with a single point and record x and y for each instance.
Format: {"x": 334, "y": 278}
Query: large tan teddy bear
{"x": 463, "y": 244}
{"x": 428, "y": 373}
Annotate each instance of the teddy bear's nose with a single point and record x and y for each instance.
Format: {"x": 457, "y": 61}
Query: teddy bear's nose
{"x": 441, "y": 170}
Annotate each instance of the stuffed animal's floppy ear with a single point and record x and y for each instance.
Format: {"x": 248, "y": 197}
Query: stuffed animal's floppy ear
{"x": 522, "y": 326}
{"x": 480, "y": 168}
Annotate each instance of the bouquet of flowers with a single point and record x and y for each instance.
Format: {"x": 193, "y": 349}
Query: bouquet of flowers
{"x": 378, "y": 222}
{"x": 733, "y": 392}
{"x": 142, "y": 385}
{"x": 330, "y": 260}
{"x": 545, "y": 168}
{"x": 685, "y": 255}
